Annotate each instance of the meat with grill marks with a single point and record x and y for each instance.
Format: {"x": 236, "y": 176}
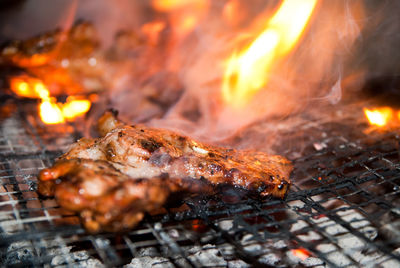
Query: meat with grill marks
{"x": 112, "y": 181}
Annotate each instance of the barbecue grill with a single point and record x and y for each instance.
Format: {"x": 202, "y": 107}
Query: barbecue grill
{"x": 341, "y": 211}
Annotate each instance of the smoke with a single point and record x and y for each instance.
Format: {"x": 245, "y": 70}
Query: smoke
{"x": 312, "y": 72}
{"x": 175, "y": 79}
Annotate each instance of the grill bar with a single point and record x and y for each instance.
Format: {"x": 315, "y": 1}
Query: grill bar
{"x": 343, "y": 202}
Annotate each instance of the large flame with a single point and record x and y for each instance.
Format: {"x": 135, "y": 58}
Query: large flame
{"x": 50, "y": 111}
{"x": 247, "y": 71}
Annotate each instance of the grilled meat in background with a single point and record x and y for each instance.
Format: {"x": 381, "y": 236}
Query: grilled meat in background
{"x": 113, "y": 180}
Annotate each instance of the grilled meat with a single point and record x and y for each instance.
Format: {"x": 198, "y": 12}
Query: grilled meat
{"x": 106, "y": 198}
{"x": 124, "y": 171}
{"x": 69, "y": 62}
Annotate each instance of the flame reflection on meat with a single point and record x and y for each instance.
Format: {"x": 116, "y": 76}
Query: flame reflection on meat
{"x": 246, "y": 72}
{"x": 50, "y": 111}
{"x": 379, "y": 117}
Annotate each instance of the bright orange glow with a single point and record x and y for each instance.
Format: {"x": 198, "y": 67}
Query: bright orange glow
{"x": 152, "y": 30}
{"x": 380, "y": 116}
{"x": 183, "y": 15}
{"x": 247, "y": 71}
{"x": 74, "y": 108}
{"x": 50, "y": 111}
{"x": 28, "y": 87}
{"x": 187, "y": 24}
{"x": 169, "y": 5}
{"x": 301, "y": 253}
{"x": 233, "y": 13}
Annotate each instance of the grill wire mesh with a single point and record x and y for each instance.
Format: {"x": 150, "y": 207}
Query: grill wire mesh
{"x": 342, "y": 210}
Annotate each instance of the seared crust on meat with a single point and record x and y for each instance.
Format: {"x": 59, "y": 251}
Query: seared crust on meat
{"x": 132, "y": 161}
{"x": 107, "y": 199}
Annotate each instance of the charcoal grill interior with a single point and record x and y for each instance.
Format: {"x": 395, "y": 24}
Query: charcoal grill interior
{"x": 342, "y": 209}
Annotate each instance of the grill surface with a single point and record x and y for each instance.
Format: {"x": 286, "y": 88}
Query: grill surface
{"x": 342, "y": 209}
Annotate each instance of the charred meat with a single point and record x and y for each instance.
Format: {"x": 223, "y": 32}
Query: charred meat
{"x": 113, "y": 180}
{"x": 106, "y": 198}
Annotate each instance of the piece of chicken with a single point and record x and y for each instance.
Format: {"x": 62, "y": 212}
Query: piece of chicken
{"x": 126, "y": 170}
{"x": 107, "y": 199}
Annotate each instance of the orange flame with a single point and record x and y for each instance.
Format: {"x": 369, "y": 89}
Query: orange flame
{"x": 170, "y": 5}
{"x": 301, "y": 253}
{"x": 247, "y": 72}
{"x": 152, "y": 30}
{"x": 379, "y": 117}
{"x": 50, "y": 111}
{"x": 184, "y": 15}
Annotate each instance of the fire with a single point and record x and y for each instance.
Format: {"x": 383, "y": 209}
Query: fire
{"x": 301, "y": 253}
{"x": 170, "y": 5}
{"x": 152, "y": 30}
{"x": 50, "y": 111}
{"x": 75, "y": 107}
{"x": 183, "y": 15}
{"x": 380, "y": 116}
{"x": 28, "y": 87}
{"x": 247, "y": 71}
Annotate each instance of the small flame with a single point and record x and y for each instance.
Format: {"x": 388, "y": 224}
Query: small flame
{"x": 28, "y": 87}
{"x": 152, "y": 30}
{"x": 247, "y": 72}
{"x": 50, "y": 111}
{"x": 170, "y": 5}
{"x": 301, "y": 253}
{"x": 379, "y": 117}
{"x": 184, "y": 15}
{"x": 73, "y": 108}
{"x": 232, "y": 12}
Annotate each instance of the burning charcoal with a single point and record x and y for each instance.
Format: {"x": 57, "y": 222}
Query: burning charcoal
{"x": 270, "y": 259}
{"x": 206, "y": 254}
{"x": 392, "y": 262}
{"x": 313, "y": 262}
{"x": 19, "y": 252}
{"x": 390, "y": 230}
{"x": 79, "y": 258}
{"x": 237, "y": 264}
{"x": 225, "y": 225}
{"x": 144, "y": 262}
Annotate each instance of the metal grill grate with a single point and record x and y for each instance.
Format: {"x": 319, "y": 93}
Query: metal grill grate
{"x": 342, "y": 210}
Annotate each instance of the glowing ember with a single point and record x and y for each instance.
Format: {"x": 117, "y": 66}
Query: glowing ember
{"x": 50, "y": 111}
{"x": 247, "y": 71}
{"x": 379, "y": 117}
{"x": 301, "y": 253}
